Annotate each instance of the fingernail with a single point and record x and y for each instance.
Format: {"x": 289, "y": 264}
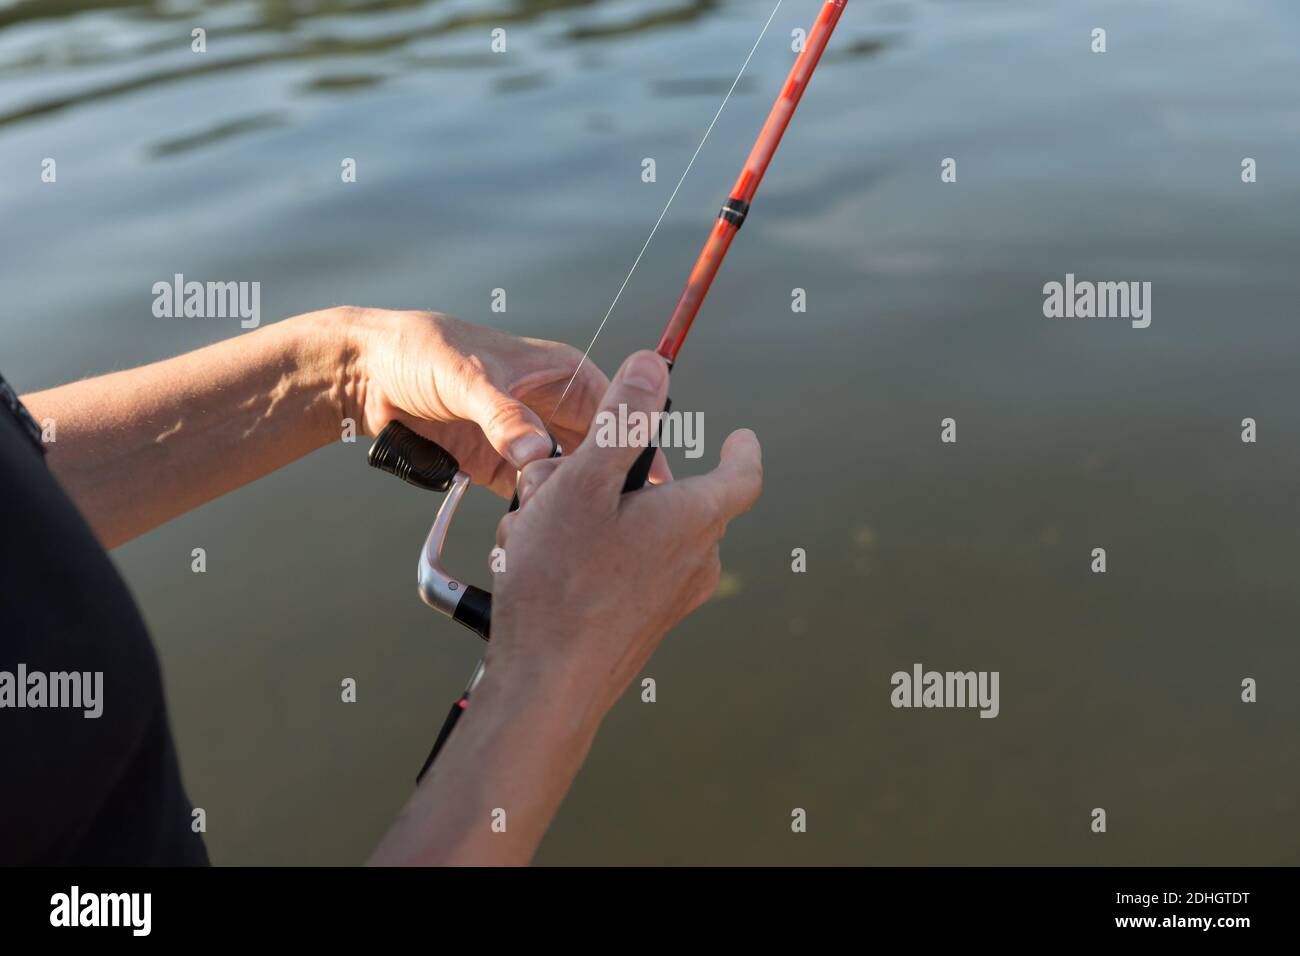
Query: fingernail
{"x": 646, "y": 371}
{"x": 528, "y": 448}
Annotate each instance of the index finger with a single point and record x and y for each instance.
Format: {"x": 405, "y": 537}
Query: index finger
{"x": 573, "y": 415}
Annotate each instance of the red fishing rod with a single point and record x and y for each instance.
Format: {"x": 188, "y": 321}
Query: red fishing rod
{"x": 736, "y": 208}
{"x": 423, "y": 463}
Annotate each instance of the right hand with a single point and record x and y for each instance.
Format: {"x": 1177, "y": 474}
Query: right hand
{"x": 595, "y": 578}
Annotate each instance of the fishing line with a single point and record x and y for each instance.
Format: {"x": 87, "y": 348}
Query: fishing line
{"x": 600, "y": 328}
{"x": 423, "y": 463}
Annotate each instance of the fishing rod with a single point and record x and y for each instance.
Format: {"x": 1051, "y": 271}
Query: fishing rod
{"x": 425, "y": 464}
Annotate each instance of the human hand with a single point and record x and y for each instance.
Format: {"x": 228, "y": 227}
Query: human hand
{"x": 482, "y": 394}
{"x": 595, "y": 578}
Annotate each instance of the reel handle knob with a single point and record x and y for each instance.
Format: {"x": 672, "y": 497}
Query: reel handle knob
{"x": 413, "y": 458}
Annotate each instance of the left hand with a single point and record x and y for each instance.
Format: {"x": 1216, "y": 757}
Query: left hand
{"x": 484, "y": 395}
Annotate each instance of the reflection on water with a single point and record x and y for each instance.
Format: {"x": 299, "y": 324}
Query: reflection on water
{"x": 479, "y": 170}
{"x": 55, "y": 47}
{"x": 295, "y": 22}
{"x": 219, "y": 132}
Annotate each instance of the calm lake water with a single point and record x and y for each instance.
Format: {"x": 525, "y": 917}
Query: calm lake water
{"x": 522, "y": 171}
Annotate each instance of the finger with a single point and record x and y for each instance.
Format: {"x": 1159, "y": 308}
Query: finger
{"x": 534, "y": 475}
{"x": 509, "y": 425}
{"x": 503, "y": 530}
{"x": 574, "y": 413}
{"x": 731, "y": 488}
{"x": 637, "y": 392}
{"x": 531, "y": 479}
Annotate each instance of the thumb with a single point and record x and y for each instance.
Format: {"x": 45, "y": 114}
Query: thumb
{"x": 639, "y": 389}
{"x": 510, "y": 426}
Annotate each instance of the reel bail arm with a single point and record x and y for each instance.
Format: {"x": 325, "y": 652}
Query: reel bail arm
{"x": 415, "y": 459}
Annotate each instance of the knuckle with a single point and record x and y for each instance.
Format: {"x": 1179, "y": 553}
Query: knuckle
{"x": 710, "y": 574}
{"x": 501, "y": 417}
{"x": 715, "y": 518}
{"x": 713, "y": 569}
{"x": 470, "y": 368}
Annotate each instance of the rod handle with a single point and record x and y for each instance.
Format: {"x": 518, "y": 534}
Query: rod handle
{"x": 639, "y": 473}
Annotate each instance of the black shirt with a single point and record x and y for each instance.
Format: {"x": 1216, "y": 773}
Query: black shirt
{"x": 76, "y": 790}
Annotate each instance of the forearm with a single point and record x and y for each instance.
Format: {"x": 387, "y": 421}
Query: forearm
{"x": 139, "y": 447}
{"x": 510, "y": 762}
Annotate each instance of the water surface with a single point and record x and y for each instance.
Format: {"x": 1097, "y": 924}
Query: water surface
{"x": 479, "y": 171}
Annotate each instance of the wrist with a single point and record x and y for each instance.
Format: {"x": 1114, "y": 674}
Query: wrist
{"x": 567, "y": 701}
{"x": 326, "y": 355}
